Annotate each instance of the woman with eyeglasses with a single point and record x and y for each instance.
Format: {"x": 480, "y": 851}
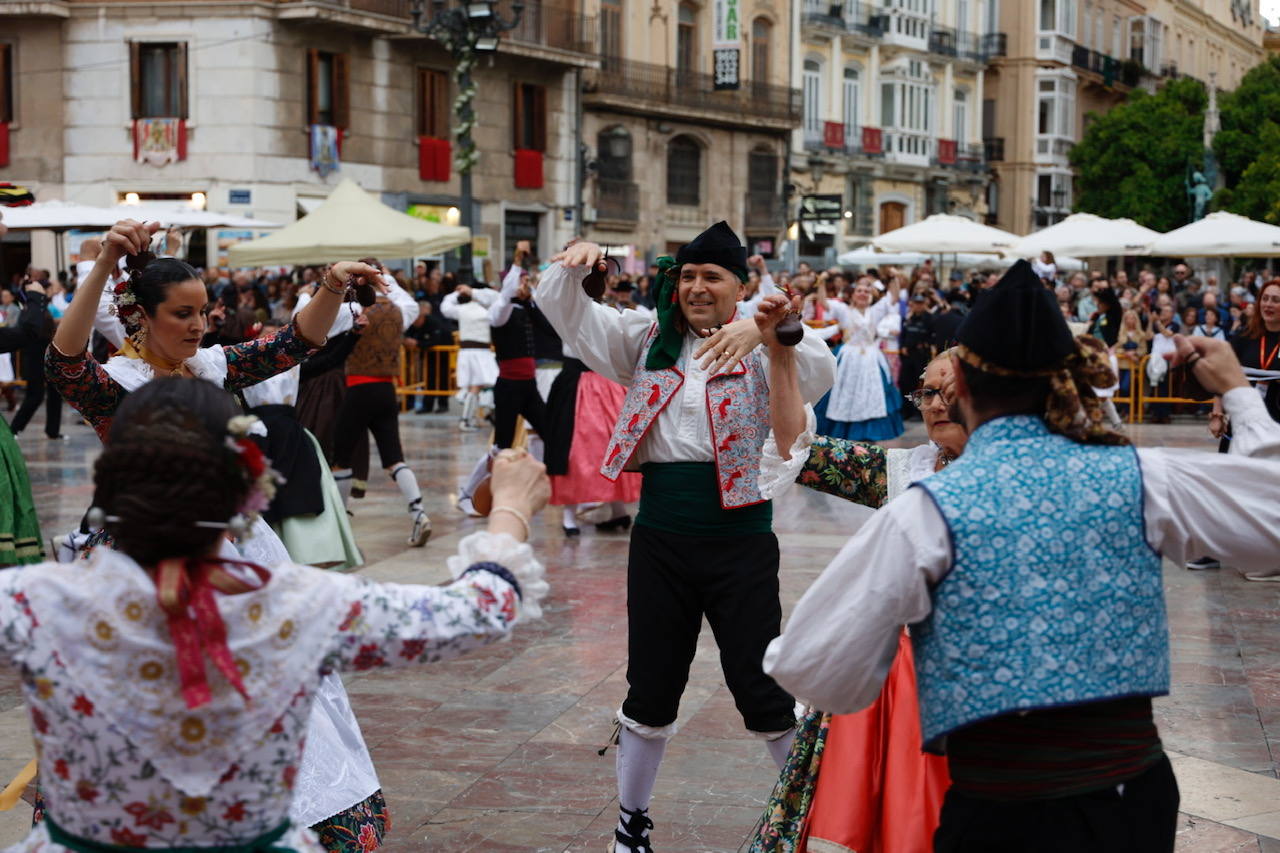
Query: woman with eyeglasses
{"x": 857, "y": 781}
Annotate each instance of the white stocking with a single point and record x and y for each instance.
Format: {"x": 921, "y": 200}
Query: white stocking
{"x": 343, "y": 478}
{"x": 408, "y": 483}
{"x": 637, "y": 765}
{"x": 780, "y": 747}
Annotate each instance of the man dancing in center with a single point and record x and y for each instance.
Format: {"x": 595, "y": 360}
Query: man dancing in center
{"x": 703, "y": 540}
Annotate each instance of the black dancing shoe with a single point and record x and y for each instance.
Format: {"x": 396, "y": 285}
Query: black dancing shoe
{"x": 632, "y": 834}
{"x": 571, "y": 532}
{"x": 622, "y": 522}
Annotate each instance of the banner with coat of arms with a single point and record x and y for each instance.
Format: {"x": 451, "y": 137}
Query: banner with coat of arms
{"x": 326, "y": 149}
{"x": 159, "y": 141}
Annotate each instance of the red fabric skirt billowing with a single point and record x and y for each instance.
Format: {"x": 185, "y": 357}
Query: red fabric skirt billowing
{"x": 877, "y": 792}
{"x": 596, "y": 411}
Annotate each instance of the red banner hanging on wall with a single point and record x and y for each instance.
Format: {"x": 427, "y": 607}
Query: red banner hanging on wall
{"x": 872, "y": 140}
{"x": 433, "y": 158}
{"x": 528, "y": 169}
{"x": 4, "y": 144}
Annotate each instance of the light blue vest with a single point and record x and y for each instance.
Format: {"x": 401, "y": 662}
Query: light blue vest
{"x": 1054, "y": 596}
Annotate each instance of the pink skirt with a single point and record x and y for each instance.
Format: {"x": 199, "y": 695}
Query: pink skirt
{"x": 595, "y": 412}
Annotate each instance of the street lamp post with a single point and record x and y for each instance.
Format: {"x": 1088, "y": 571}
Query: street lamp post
{"x": 466, "y": 30}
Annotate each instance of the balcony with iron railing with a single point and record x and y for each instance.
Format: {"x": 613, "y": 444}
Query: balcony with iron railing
{"x": 1111, "y": 70}
{"x": 764, "y": 210}
{"x": 560, "y": 27}
{"x": 617, "y": 201}
{"x": 894, "y": 19}
{"x": 645, "y": 88}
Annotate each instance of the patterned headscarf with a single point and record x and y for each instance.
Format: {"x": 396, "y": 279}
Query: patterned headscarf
{"x": 1072, "y": 409}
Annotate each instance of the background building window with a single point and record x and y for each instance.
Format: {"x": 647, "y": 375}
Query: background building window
{"x": 529, "y": 123}
{"x": 158, "y": 79}
{"x": 687, "y": 39}
{"x": 6, "y": 83}
{"x": 1058, "y": 16}
{"x": 611, "y": 29}
{"x": 613, "y": 154}
{"x": 433, "y": 103}
{"x": 762, "y": 173}
{"x": 1056, "y": 107}
{"x": 812, "y": 94}
{"x": 684, "y": 171}
{"x": 328, "y": 93}
{"x": 960, "y": 115}
{"x": 761, "y": 33}
{"x": 851, "y": 102}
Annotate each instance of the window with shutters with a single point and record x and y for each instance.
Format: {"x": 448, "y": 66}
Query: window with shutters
{"x": 529, "y": 123}
{"x": 811, "y": 83}
{"x": 684, "y": 171}
{"x": 328, "y": 89}
{"x": 851, "y": 104}
{"x": 433, "y": 103}
{"x": 687, "y": 38}
{"x": 6, "y": 83}
{"x": 761, "y": 36}
{"x": 611, "y": 29}
{"x": 158, "y": 79}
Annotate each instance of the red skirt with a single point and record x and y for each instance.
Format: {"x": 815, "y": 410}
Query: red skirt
{"x": 877, "y": 792}
{"x": 596, "y": 411}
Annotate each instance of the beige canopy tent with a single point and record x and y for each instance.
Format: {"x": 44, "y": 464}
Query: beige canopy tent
{"x": 351, "y": 224}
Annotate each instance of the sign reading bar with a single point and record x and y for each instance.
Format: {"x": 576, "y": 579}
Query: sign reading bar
{"x": 726, "y": 44}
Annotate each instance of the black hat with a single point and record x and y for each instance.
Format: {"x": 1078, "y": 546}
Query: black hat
{"x": 1017, "y": 324}
{"x": 717, "y": 245}
{"x": 624, "y": 285}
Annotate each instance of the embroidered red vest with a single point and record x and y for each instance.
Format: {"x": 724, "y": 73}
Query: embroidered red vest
{"x": 738, "y": 409}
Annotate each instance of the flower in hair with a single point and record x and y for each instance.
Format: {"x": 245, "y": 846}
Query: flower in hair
{"x": 263, "y": 479}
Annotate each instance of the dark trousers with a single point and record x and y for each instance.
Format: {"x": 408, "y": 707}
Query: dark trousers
{"x": 38, "y": 392}
{"x": 1141, "y": 819}
{"x": 672, "y": 582}
{"x": 373, "y": 407}
{"x": 513, "y": 398}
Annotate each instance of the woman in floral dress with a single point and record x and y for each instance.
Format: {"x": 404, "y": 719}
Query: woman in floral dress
{"x": 142, "y": 742}
{"x": 162, "y": 306}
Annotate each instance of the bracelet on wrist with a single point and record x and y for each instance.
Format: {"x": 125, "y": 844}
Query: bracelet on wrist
{"x": 338, "y": 290}
{"x": 517, "y": 514}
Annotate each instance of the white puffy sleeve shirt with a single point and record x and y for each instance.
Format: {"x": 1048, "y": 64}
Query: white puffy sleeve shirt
{"x": 610, "y": 343}
{"x": 839, "y": 643}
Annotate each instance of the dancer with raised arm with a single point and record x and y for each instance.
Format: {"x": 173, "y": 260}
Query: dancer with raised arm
{"x": 703, "y": 540}
{"x": 142, "y": 742}
{"x": 162, "y": 307}
{"x": 1036, "y": 661}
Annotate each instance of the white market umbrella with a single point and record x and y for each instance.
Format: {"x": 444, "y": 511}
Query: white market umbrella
{"x": 1219, "y": 234}
{"x": 183, "y": 215}
{"x": 58, "y": 216}
{"x": 1088, "y": 236}
{"x": 350, "y": 224}
{"x": 942, "y": 233}
{"x": 865, "y": 256}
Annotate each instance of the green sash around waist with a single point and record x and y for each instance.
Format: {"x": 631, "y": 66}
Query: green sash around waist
{"x": 684, "y": 498}
{"x": 262, "y": 844}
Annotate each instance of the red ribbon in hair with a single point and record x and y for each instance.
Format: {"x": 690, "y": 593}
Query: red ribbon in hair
{"x": 185, "y": 589}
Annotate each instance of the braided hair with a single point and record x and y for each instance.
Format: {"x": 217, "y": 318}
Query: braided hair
{"x": 167, "y": 465}
{"x": 147, "y": 286}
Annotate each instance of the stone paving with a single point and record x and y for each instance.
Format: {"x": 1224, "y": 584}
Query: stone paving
{"x": 497, "y": 751}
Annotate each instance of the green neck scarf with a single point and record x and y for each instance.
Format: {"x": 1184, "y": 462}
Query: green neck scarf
{"x": 665, "y": 351}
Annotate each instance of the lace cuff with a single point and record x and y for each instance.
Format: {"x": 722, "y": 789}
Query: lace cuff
{"x": 515, "y": 557}
{"x": 775, "y": 474}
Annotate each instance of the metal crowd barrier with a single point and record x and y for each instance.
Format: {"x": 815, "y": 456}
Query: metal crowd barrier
{"x": 427, "y": 372}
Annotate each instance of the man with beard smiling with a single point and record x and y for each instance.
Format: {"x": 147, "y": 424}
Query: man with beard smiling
{"x": 703, "y": 542}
